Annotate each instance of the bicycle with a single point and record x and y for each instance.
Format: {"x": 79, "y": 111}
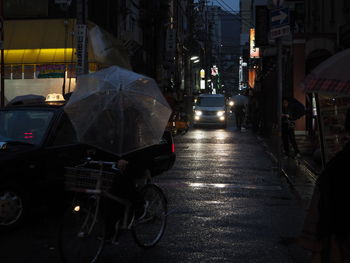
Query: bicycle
{"x": 83, "y": 231}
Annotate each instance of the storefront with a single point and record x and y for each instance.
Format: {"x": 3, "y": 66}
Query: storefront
{"x": 330, "y": 88}
{"x": 331, "y": 112}
{"x": 40, "y": 55}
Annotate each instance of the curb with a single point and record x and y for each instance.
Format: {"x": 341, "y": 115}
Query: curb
{"x": 285, "y": 175}
{"x": 305, "y": 166}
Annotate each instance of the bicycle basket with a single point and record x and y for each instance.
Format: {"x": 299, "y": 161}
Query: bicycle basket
{"x": 80, "y": 178}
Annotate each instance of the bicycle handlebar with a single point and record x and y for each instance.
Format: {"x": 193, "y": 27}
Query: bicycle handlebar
{"x": 100, "y": 163}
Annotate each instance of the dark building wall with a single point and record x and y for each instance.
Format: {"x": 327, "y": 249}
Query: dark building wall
{"x": 231, "y": 50}
{"x": 268, "y": 97}
{"x": 153, "y": 21}
{"x": 102, "y": 12}
{"x": 231, "y": 29}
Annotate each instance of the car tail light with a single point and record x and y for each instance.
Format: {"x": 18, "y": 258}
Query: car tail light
{"x": 173, "y": 147}
{"x": 28, "y": 135}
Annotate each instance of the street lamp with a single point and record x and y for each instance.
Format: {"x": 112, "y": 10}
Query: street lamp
{"x": 194, "y": 72}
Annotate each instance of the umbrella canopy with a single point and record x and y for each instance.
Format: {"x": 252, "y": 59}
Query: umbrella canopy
{"x": 296, "y": 107}
{"x": 118, "y": 110}
{"x": 331, "y": 76}
{"x": 240, "y": 100}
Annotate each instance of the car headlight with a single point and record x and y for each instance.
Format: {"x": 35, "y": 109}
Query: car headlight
{"x": 220, "y": 113}
{"x": 231, "y": 103}
{"x": 198, "y": 113}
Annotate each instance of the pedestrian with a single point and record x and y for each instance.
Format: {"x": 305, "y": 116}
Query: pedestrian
{"x": 239, "y": 109}
{"x": 327, "y": 225}
{"x": 288, "y": 129}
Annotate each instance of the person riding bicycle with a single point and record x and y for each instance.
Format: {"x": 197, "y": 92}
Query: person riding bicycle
{"x": 130, "y": 168}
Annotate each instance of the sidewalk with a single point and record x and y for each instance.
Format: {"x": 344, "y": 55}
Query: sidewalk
{"x": 301, "y": 173}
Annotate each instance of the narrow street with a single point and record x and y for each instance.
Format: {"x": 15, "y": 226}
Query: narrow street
{"x": 111, "y": 81}
{"x": 226, "y": 205}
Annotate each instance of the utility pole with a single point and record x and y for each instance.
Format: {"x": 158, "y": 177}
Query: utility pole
{"x": 2, "y": 71}
{"x": 279, "y": 100}
{"x": 207, "y": 54}
{"x": 279, "y": 27}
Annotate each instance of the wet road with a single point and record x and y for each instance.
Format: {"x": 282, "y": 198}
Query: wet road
{"x": 226, "y": 203}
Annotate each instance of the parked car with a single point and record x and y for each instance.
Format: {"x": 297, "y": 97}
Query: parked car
{"x": 210, "y": 109}
{"x": 36, "y": 142}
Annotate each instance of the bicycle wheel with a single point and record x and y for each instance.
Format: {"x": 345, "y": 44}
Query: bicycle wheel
{"x": 148, "y": 230}
{"x": 81, "y": 235}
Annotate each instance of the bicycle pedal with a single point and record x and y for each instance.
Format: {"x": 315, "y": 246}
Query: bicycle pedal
{"x": 81, "y": 234}
{"x": 115, "y": 239}
{"x": 115, "y": 242}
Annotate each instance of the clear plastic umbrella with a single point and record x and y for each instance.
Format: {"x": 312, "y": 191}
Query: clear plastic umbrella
{"x": 118, "y": 110}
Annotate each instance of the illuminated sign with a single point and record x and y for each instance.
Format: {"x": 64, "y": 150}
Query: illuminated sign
{"x": 202, "y": 84}
{"x": 214, "y": 71}
{"x": 254, "y": 51}
{"x": 202, "y": 73}
{"x": 50, "y": 71}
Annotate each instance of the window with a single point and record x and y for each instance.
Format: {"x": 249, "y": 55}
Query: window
{"x": 211, "y": 101}
{"x": 28, "y": 126}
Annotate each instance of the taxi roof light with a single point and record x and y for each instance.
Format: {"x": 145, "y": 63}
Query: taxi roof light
{"x": 54, "y": 97}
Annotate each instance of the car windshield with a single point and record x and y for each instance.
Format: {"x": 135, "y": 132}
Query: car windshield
{"x": 28, "y": 126}
{"x": 211, "y": 101}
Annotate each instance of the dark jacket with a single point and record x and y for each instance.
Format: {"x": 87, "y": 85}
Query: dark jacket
{"x": 290, "y": 121}
{"x": 334, "y": 183}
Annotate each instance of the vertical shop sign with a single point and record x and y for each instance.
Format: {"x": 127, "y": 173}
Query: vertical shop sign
{"x": 254, "y": 51}
{"x": 81, "y": 48}
{"x": 82, "y": 38}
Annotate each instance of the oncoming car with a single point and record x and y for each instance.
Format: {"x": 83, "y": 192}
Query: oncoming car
{"x": 210, "y": 109}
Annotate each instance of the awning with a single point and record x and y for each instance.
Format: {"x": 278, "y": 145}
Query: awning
{"x": 52, "y": 41}
{"x": 40, "y": 56}
{"x": 39, "y": 33}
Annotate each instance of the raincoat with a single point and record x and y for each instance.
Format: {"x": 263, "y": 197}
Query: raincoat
{"x": 327, "y": 225}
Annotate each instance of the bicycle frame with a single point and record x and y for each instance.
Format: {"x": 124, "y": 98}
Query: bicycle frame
{"x": 98, "y": 193}
{"x": 87, "y": 230}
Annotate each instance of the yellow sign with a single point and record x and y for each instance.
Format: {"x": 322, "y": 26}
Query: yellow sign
{"x": 202, "y": 73}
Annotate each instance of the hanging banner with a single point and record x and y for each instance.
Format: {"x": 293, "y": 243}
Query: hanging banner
{"x": 50, "y": 71}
